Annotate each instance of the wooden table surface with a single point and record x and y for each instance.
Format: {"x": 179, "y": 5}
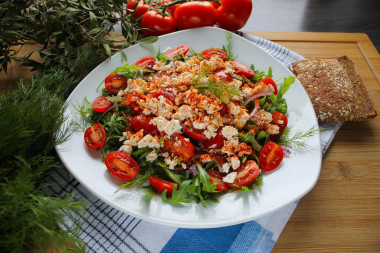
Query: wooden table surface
{"x": 342, "y": 212}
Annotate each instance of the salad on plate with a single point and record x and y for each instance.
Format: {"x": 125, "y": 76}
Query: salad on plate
{"x": 189, "y": 125}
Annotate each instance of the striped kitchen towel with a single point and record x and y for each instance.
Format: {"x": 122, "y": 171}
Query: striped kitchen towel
{"x": 105, "y": 229}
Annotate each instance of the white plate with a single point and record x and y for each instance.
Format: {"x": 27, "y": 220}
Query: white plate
{"x": 295, "y": 177}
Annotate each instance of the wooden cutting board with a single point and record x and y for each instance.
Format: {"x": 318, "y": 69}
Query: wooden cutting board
{"x": 342, "y": 212}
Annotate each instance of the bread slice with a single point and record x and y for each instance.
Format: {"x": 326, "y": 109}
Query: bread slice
{"x": 335, "y": 88}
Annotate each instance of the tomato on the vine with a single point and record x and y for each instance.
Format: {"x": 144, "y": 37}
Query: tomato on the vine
{"x": 161, "y": 184}
{"x": 217, "y": 177}
{"x": 115, "y": 83}
{"x": 95, "y": 136}
{"x": 246, "y": 174}
{"x": 156, "y": 24}
{"x": 139, "y": 7}
{"x": 121, "y": 165}
{"x": 101, "y": 104}
{"x": 271, "y": 156}
{"x": 194, "y": 14}
{"x": 232, "y": 15}
{"x": 170, "y": 9}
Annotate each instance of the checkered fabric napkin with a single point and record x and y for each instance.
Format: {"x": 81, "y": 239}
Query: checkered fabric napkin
{"x": 105, "y": 229}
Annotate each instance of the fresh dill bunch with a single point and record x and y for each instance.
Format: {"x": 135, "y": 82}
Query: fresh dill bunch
{"x": 298, "y": 139}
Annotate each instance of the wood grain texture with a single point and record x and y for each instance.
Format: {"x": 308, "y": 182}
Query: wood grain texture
{"x": 342, "y": 212}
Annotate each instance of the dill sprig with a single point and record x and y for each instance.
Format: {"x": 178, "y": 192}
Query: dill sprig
{"x": 298, "y": 139}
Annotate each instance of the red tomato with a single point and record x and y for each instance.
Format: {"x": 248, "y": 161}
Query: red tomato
{"x": 171, "y": 9}
{"x": 223, "y": 109}
{"x": 95, "y": 136}
{"x": 178, "y": 145}
{"x": 246, "y": 174}
{"x": 115, "y": 83}
{"x": 161, "y": 184}
{"x": 194, "y": 134}
{"x": 168, "y": 95}
{"x": 178, "y": 51}
{"x": 233, "y": 14}
{"x": 279, "y": 119}
{"x": 215, "y": 142}
{"x": 101, "y": 104}
{"x": 140, "y": 9}
{"x": 146, "y": 63}
{"x": 206, "y": 54}
{"x": 222, "y": 75}
{"x": 215, "y": 4}
{"x": 216, "y": 176}
{"x": 122, "y": 165}
{"x": 268, "y": 80}
{"x": 243, "y": 69}
{"x": 271, "y": 156}
{"x": 194, "y": 14}
{"x": 142, "y": 121}
{"x": 155, "y": 24}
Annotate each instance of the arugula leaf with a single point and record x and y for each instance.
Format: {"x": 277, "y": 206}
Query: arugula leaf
{"x": 250, "y": 139}
{"x": 204, "y": 179}
{"x": 178, "y": 195}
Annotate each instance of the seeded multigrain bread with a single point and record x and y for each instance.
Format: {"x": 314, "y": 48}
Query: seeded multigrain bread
{"x": 335, "y": 89}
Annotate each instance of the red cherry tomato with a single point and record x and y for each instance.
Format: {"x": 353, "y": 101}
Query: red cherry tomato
{"x": 95, "y": 136}
{"x": 168, "y": 95}
{"x": 142, "y": 121}
{"x": 243, "y": 69}
{"x": 223, "y": 110}
{"x": 246, "y": 174}
{"x": 101, "y": 104}
{"x": 115, "y": 83}
{"x": 206, "y": 54}
{"x": 268, "y": 80}
{"x": 194, "y": 14}
{"x": 215, "y": 142}
{"x": 194, "y": 134}
{"x": 155, "y": 24}
{"x": 232, "y": 15}
{"x": 171, "y": 9}
{"x": 178, "y": 51}
{"x": 140, "y": 9}
{"x": 146, "y": 63}
{"x": 222, "y": 75}
{"x": 121, "y": 165}
{"x": 178, "y": 145}
{"x": 161, "y": 184}
{"x": 271, "y": 156}
{"x": 279, "y": 119}
{"x": 216, "y": 176}
{"x": 215, "y": 4}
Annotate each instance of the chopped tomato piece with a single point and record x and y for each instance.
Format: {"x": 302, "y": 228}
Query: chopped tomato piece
{"x": 115, "y": 83}
{"x": 178, "y": 51}
{"x": 268, "y": 80}
{"x": 122, "y": 165}
{"x": 208, "y": 53}
{"x": 216, "y": 176}
{"x": 142, "y": 121}
{"x": 279, "y": 119}
{"x": 194, "y": 134}
{"x": 101, "y": 104}
{"x": 243, "y": 69}
{"x": 246, "y": 174}
{"x": 146, "y": 63}
{"x": 161, "y": 184}
{"x": 95, "y": 136}
{"x": 178, "y": 145}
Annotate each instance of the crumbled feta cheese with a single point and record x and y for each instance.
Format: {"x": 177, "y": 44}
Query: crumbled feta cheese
{"x": 149, "y": 141}
{"x": 230, "y": 178}
{"x": 152, "y": 156}
{"x": 225, "y": 167}
{"x": 235, "y": 162}
{"x": 171, "y": 162}
{"x": 164, "y": 125}
{"x": 229, "y": 131}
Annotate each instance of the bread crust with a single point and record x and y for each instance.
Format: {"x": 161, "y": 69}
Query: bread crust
{"x": 335, "y": 88}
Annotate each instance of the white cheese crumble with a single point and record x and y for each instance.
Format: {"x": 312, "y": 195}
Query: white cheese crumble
{"x": 230, "y": 178}
{"x": 229, "y": 131}
{"x": 164, "y": 125}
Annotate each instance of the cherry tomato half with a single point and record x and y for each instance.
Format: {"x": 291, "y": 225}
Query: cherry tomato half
{"x": 115, "y": 83}
{"x": 168, "y": 95}
{"x": 246, "y": 174}
{"x": 215, "y": 142}
{"x": 121, "y": 165}
{"x": 95, "y": 136}
{"x": 243, "y": 69}
{"x": 101, "y": 104}
{"x": 222, "y": 75}
{"x": 194, "y": 134}
{"x": 146, "y": 63}
{"x": 155, "y": 24}
{"x": 178, "y": 145}
{"x": 268, "y": 80}
{"x": 178, "y": 51}
{"x": 194, "y": 14}
{"x": 279, "y": 119}
{"x": 142, "y": 121}
{"x": 206, "y": 54}
{"x": 139, "y": 7}
{"x": 233, "y": 14}
{"x": 216, "y": 176}
{"x": 161, "y": 184}
{"x": 271, "y": 156}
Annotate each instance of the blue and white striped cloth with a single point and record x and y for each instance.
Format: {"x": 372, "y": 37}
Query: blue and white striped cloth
{"x": 105, "y": 229}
